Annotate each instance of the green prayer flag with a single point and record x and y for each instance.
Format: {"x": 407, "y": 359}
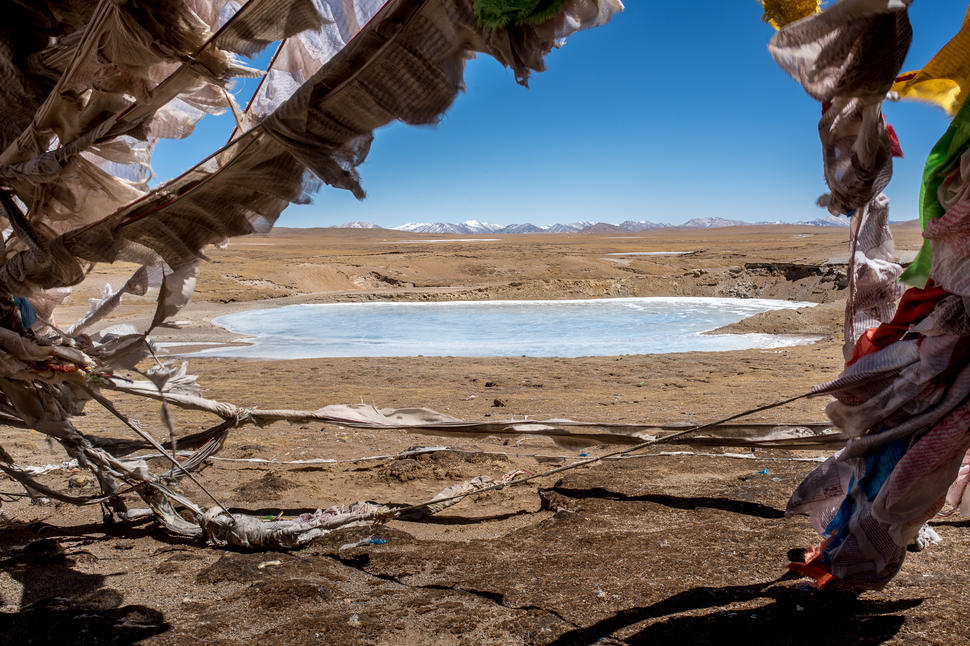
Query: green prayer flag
{"x": 499, "y": 14}
{"x": 945, "y": 154}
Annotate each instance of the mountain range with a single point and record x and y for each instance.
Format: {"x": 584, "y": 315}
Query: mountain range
{"x": 635, "y": 226}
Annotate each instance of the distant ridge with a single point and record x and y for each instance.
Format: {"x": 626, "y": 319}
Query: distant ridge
{"x": 642, "y": 225}
{"x": 521, "y": 228}
{"x": 357, "y": 224}
{"x": 468, "y": 226}
{"x": 713, "y": 223}
{"x": 631, "y": 226}
{"x": 827, "y": 221}
{"x": 575, "y": 227}
{"x": 474, "y": 226}
{"x": 603, "y": 227}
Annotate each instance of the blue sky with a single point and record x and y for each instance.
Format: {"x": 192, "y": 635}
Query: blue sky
{"x": 674, "y": 110}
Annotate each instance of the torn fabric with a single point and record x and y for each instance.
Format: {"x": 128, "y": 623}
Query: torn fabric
{"x": 873, "y": 286}
{"x": 905, "y": 408}
{"x": 903, "y": 399}
{"x": 779, "y": 13}
{"x": 945, "y": 79}
{"x": 119, "y": 75}
{"x": 943, "y": 159}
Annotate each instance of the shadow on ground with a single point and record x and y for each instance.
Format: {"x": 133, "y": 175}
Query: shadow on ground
{"x": 678, "y": 502}
{"x": 793, "y": 615}
{"x": 60, "y": 604}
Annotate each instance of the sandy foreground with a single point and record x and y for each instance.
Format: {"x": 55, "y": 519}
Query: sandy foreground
{"x": 646, "y": 550}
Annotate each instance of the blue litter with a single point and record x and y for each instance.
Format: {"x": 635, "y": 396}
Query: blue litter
{"x": 761, "y": 472}
{"x": 376, "y": 541}
{"x": 584, "y": 454}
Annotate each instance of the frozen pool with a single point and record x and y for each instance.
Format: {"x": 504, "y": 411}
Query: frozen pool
{"x": 570, "y": 328}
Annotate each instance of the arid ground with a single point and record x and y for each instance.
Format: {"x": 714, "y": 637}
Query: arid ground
{"x": 655, "y": 549}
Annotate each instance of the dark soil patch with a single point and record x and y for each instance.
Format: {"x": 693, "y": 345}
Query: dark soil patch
{"x": 268, "y": 487}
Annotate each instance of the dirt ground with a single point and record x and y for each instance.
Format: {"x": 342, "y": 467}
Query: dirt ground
{"x": 667, "y": 546}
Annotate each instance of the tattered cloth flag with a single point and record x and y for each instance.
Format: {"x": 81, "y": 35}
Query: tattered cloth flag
{"x": 945, "y": 80}
{"x": 499, "y": 14}
{"x": 91, "y": 86}
{"x": 780, "y": 13}
{"x": 940, "y": 182}
{"x": 903, "y": 399}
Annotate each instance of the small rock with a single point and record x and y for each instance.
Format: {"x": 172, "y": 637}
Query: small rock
{"x": 80, "y": 481}
{"x": 498, "y": 403}
{"x": 490, "y": 384}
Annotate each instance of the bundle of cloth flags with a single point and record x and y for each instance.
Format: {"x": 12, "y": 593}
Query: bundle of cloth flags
{"x": 904, "y": 396}
{"x": 91, "y": 86}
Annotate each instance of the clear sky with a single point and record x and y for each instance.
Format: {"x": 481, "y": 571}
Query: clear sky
{"x": 672, "y": 111}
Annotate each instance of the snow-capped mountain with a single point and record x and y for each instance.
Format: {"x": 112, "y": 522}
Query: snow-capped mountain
{"x": 642, "y": 225}
{"x": 520, "y": 228}
{"x": 411, "y": 226}
{"x": 827, "y": 221}
{"x": 474, "y": 226}
{"x": 572, "y": 227}
{"x": 469, "y": 226}
{"x": 559, "y": 228}
{"x": 633, "y": 226}
{"x": 357, "y": 224}
{"x": 713, "y": 223}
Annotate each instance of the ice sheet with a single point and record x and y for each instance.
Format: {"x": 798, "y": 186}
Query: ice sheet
{"x": 567, "y": 328}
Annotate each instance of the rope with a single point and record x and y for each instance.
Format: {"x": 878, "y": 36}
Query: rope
{"x": 72, "y": 464}
{"x": 151, "y": 440}
{"x": 399, "y": 511}
{"x": 386, "y": 515}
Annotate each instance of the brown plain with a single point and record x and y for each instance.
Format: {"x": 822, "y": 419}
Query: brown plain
{"x": 647, "y": 550}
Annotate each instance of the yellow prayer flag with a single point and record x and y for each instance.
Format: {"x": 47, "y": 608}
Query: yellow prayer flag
{"x": 945, "y": 80}
{"x": 779, "y": 13}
